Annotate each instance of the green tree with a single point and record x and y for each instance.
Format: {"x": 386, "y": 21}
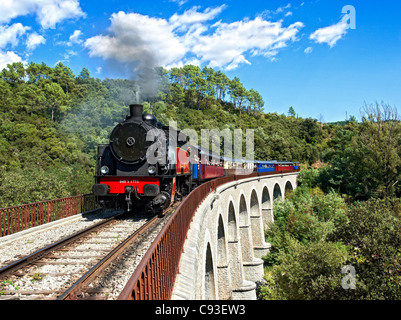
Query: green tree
{"x": 36, "y": 71}
{"x": 306, "y": 216}
{"x": 83, "y": 76}
{"x": 307, "y": 272}
{"x": 222, "y": 82}
{"x": 14, "y": 73}
{"x": 34, "y": 99}
{"x": 210, "y": 77}
{"x": 380, "y": 137}
{"x": 65, "y": 77}
{"x": 373, "y": 233}
{"x": 365, "y": 159}
{"x": 5, "y": 92}
{"x": 238, "y": 93}
{"x": 56, "y": 100}
{"x": 256, "y": 101}
{"x": 291, "y": 112}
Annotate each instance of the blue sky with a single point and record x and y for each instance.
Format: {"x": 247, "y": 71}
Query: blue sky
{"x": 295, "y": 53}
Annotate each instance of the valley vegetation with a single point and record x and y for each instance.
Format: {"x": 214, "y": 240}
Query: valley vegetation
{"x": 343, "y": 215}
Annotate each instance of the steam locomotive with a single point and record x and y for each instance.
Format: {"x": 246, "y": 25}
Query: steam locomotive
{"x": 148, "y": 164}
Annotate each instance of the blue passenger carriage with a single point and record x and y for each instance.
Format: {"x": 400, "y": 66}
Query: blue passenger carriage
{"x": 265, "y": 166}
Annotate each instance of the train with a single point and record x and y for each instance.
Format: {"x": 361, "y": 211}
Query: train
{"x": 145, "y": 164}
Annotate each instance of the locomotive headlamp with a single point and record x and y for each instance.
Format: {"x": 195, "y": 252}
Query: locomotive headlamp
{"x": 104, "y": 170}
{"x": 152, "y": 169}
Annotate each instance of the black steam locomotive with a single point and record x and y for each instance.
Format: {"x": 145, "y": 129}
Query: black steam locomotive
{"x": 143, "y": 163}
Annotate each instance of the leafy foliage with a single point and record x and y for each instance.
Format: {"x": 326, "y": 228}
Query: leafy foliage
{"x": 316, "y": 234}
{"x": 365, "y": 159}
{"x": 373, "y": 232}
{"x": 307, "y": 272}
{"x": 302, "y": 263}
{"x": 306, "y": 216}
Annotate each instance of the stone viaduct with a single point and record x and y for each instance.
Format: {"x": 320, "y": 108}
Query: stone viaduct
{"x": 225, "y": 243}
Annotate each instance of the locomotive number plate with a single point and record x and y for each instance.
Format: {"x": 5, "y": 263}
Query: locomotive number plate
{"x": 129, "y": 181}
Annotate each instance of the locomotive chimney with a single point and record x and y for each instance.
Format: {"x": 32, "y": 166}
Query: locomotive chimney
{"x": 136, "y": 111}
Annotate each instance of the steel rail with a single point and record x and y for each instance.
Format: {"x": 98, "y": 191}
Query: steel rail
{"x": 29, "y": 259}
{"x": 73, "y": 292}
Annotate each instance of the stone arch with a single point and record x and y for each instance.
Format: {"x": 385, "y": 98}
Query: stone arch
{"x": 232, "y": 223}
{"x": 245, "y": 231}
{"x": 221, "y": 243}
{"x": 288, "y": 188}
{"x": 234, "y": 250}
{"x": 267, "y": 210}
{"x": 266, "y": 202}
{"x": 256, "y": 221}
{"x": 210, "y": 290}
{"x": 255, "y": 209}
{"x": 223, "y": 270}
{"x": 243, "y": 212}
{"x": 277, "y": 194}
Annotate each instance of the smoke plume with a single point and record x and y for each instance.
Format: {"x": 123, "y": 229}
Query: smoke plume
{"x": 134, "y": 45}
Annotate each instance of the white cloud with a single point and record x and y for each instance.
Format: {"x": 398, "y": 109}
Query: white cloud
{"x": 68, "y": 54}
{"x": 282, "y": 9}
{"x": 331, "y": 34}
{"x": 235, "y": 62}
{"x": 74, "y": 38}
{"x": 34, "y": 39}
{"x": 308, "y": 50}
{"x": 228, "y": 45}
{"x": 57, "y": 11}
{"x": 8, "y": 57}
{"x": 190, "y": 37}
{"x": 138, "y": 38}
{"x": 179, "y": 2}
{"x": 48, "y": 12}
{"x": 279, "y": 10}
{"x": 11, "y": 34}
{"x": 192, "y": 16}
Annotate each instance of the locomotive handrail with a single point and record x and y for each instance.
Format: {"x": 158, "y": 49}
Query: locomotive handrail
{"x": 155, "y": 275}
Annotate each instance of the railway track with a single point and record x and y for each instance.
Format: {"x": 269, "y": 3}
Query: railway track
{"x": 78, "y": 266}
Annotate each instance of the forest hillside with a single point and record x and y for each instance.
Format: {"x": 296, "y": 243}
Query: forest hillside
{"x": 51, "y": 122}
